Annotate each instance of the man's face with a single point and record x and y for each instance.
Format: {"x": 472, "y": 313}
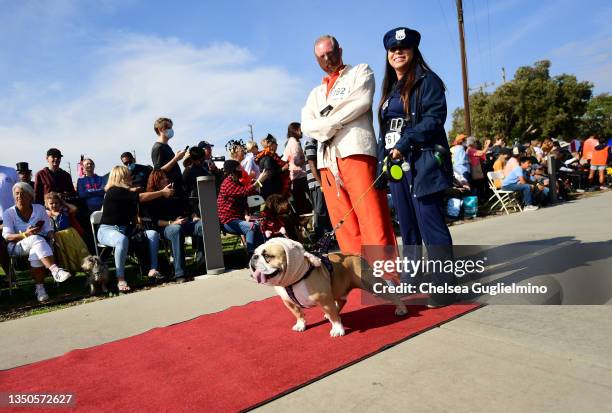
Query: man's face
{"x": 207, "y": 152}
{"x": 88, "y": 166}
{"x": 25, "y": 176}
{"x": 54, "y": 161}
{"x": 329, "y": 59}
{"x": 126, "y": 161}
{"x": 526, "y": 165}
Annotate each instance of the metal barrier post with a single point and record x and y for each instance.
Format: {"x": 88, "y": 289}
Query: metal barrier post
{"x": 552, "y": 178}
{"x": 213, "y": 252}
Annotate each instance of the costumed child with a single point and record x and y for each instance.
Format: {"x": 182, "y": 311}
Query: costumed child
{"x": 70, "y": 248}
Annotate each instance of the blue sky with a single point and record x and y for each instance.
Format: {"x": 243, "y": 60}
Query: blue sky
{"x": 91, "y": 76}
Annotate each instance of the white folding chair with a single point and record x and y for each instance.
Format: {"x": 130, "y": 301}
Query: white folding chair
{"x": 503, "y": 199}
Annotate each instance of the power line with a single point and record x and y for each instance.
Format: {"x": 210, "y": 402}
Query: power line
{"x": 450, "y": 36}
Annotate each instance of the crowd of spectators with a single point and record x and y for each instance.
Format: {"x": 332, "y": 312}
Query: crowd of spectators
{"x": 526, "y": 166}
{"x": 47, "y": 219}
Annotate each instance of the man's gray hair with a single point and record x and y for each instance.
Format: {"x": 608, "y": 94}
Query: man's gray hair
{"x": 328, "y": 37}
{"x": 25, "y": 187}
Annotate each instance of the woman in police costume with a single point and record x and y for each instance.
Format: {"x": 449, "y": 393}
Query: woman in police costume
{"x": 413, "y": 142}
{"x": 412, "y": 113}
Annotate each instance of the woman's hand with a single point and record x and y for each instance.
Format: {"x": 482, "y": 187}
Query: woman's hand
{"x": 264, "y": 175}
{"x": 167, "y": 192}
{"x": 395, "y": 154}
{"x": 179, "y": 221}
{"x": 32, "y": 230}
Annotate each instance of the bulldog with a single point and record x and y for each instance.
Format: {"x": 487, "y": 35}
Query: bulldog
{"x": 302, "y": 280}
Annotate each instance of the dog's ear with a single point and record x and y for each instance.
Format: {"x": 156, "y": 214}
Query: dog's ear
{"x": 314, "y": 260}
{"x": 87, "y": 263}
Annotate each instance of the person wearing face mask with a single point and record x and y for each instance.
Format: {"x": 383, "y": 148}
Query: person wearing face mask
{"x": 91, "y": 186}
{"x": 163, "y": 156}
{"x": 53, "y": 178}
{"x": 411, "y": 114}
{"x": 140, "y": 173}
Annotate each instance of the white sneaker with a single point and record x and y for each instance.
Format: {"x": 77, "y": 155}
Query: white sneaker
{"x": 61, "y": 275}
{"x": 41, "y": 294}
{"x": 531, "y": 208}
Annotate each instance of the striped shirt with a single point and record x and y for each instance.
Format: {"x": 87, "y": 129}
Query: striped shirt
{"x": 310, "y": 152}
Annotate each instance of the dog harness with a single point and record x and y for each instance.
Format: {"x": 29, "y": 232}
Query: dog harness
{"x": 298, "y": 288}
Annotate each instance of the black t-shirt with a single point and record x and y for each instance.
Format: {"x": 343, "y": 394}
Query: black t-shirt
{"x": 161, "y": 154}
{"x": 273, "y": 184}
{"x": 190, "y": 179}
{"x": 120, "y": 206}
{"x": 140, "y": 174}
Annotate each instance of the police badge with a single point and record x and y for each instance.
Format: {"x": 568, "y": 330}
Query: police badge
{"x": 400, "y": 34}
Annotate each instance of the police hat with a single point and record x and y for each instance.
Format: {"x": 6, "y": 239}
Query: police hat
{"x": 402, "y": 37}
{"x": 205, "y": 144}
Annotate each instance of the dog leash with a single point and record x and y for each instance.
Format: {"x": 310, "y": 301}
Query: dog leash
{"x": 322, "y": 246}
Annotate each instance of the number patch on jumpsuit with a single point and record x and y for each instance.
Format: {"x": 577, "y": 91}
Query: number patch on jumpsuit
{"x": 391, "y": 139}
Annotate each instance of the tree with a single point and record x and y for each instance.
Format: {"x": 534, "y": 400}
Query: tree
{"x": 531, "y": 105}
{"x": 598, "y": 117}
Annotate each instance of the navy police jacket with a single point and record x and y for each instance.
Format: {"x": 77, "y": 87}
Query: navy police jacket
{"x": 424, "y": 130}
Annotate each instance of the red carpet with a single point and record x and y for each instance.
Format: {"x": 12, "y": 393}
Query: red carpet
{"x": 227, "y": 361}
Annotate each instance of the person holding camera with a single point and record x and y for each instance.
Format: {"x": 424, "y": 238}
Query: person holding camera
{"x": 174, "y": 220}
{"x": 338, "y": 114}
{"x": 163, "y": 156}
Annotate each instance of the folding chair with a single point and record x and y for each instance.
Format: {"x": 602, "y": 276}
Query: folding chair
{"x": 503, "y": 199}
{"x": 94, "y": 219}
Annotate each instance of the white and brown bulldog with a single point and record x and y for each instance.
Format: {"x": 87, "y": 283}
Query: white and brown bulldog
{"x": 303, "y": 281}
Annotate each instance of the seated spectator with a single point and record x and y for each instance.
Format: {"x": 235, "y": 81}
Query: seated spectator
{"x": 461, "y": 164}
{"x": 53, "y": 178}
{"x": 8, "y": 178}
{"x": 248, "y": 164}
{"x": 70, "y": 247}
{"x": 515, "y": 181}
{"x": 512, "y": 161}
{"x": 277, "y": 170}
{"x": 541, "y": 182}
{"x": 194, "y": 168}
{"x": 232, "y": 205}
{"x": 272, "y": 222}
{"x": 500, "y": 164}
{"x": 25, "y": 173}
{"x": 172, "y": 217}
{"x": 119, "y": 219}
{"x": 28, "y": 231}
{"x": 91, "y": 186}
{"x": 139, "y": 173}
{"x": 210, "y": 164}
{"x": 237, "y": 151}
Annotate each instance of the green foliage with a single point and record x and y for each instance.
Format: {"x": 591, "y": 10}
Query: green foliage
{"x": 598, "y": 116}
{"x": 531, "y": 105}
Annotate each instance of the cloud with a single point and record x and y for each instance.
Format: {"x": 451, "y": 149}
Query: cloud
{"x": 589, "y": 59}
{"x": 213, "y": 91}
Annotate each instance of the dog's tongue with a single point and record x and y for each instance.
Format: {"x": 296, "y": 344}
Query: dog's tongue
{"x": 259, "y": 276}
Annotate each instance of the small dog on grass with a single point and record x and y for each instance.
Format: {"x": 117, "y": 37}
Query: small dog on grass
{"x": 97, "y": 272}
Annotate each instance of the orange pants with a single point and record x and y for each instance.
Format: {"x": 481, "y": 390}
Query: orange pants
{"x": 370, "y": 222}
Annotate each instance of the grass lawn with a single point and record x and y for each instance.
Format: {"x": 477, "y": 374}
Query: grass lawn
{"x": 22, "y": 302}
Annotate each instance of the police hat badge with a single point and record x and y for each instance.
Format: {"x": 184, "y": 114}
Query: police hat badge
{"x": 400, "y": 34}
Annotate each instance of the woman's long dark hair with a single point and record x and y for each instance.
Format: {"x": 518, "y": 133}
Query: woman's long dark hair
{"x": 407, "y": 81}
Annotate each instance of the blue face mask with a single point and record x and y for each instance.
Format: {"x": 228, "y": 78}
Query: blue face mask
{"x": 169, "y": 133}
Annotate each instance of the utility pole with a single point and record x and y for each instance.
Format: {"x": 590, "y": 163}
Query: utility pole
{"x": 466, "y": 96}
{"x": 504, "y": 74}
{"x": 251, "y": 130}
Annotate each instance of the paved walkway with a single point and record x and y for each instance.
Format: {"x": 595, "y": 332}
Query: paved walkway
{"x": 496, "y": 359}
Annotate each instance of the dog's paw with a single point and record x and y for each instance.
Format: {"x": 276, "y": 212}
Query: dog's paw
{"x": 401, "y": 311}
{"x": 299, "y": 325}
{"x": 337, "y": 330}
